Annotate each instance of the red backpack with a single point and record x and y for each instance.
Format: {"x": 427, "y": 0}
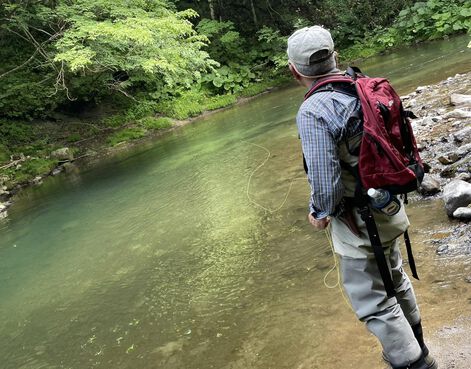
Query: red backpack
{"x": 388, "y": 157}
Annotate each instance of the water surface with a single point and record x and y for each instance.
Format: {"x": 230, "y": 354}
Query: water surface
{"x": 165, "y": 258}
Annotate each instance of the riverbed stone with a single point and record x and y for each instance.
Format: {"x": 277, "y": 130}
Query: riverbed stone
{"x": 463, "y": 213}
{"x": 429, "y": 185}
{"x": 57, "y": 171}
{"x": 460, "y": 99}
{"x": 62, "y": 154}
{"x": 463, "y": 136}
{"x": 456, "y": 194}
{"x": 464, "y": 176}
{"x": 461, "y": 166}
{"x": 37, "y": 181}
{"x": 442, "y": 249}
{"x": 449, "y": 158}
{"x": 458, "y": 114}
{"x": 464, "y": 150}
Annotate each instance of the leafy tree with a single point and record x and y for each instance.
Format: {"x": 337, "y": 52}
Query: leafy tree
{"x": 83, "y": 45}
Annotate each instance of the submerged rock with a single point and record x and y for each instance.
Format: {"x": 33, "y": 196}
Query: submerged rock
{"x": 456, "y": 194}
{"x": 70, "y": 168}
{"x": 442, "y": 250}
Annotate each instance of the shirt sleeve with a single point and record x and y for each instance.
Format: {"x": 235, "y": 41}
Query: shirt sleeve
{"x": 324, "y": 171}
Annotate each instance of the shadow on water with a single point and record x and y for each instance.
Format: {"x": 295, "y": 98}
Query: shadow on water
{"x": 158, "y": 259}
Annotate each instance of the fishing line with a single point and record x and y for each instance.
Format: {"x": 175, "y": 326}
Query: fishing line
{"x": 271, "y": 211}
{"x": 328, "y": 234}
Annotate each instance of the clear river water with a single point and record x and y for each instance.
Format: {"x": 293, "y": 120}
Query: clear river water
{"x": 164, "y": 256}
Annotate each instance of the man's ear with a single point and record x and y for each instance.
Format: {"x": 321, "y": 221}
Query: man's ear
{"x": 294, "y": 72}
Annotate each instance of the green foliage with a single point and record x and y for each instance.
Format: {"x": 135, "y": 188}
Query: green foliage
{"x": 272, "y": 47}
{"x": 155, "y": 123}
{"x": 421, "y": 22}
{"x": 135, "y": 112}
{"x": 15, "y": 133}
{"x": 432, "y": 19}
{"x": 84, "y": 43}
{"x": 193, "y": 102}
{"x": 37, "y": 166}
{"x": 126, "y": 134}
{"x": 259, "y": 87}
{"x": 219, "y": 101}
{"x": 229, "y": 79}
{"x": 74, "y": 137}
{"x": 4, "y": 153}
{"x": 226, "y": 44}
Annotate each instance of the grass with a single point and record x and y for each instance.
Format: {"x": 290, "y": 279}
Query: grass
{"x": 153, "y": 123}
{"x": 28, "y": 170}
{"x": 126, "y": 134}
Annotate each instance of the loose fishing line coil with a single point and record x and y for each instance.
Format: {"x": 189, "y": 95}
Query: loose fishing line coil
{"x": 271, "y": 211}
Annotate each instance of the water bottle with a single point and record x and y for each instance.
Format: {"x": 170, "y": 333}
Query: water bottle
{"x": 384, "y": 201}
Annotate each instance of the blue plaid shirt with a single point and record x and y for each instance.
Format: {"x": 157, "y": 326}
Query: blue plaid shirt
{"x": 322, "y": 125}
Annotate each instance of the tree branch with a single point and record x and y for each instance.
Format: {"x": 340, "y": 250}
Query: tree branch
{"x": 20, "y": 66}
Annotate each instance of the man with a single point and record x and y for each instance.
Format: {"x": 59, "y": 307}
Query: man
{"x": 328, "y": 130}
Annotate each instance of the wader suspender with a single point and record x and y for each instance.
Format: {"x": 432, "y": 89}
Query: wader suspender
{"x": 383, "y": 267}
{"x": 361, "y": 200}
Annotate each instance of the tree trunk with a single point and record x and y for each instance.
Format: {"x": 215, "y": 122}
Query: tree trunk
{"x": 211, "y": 9}
{"x": 221, "y": 6}
{"x": 254, "y": 14}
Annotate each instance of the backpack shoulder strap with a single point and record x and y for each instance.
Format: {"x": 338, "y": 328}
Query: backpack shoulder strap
{"x": 333, "y": 81}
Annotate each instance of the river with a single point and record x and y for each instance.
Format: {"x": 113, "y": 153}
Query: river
{"x": 164, "y": 256}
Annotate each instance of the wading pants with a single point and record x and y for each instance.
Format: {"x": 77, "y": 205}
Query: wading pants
{"x": 389, "y": 319}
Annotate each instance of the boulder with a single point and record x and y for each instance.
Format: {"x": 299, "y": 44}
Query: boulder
{"x": 456, "y": 194}
{"x": 63, "y": 154}
{"x": 459, "y": 99}
{"x": 458, "y": 114}
{"x": 429, "y": 186}
{"x": 463, "y": 213}
{"x": 463, "y": 150}
{"x": 463, "y": 136}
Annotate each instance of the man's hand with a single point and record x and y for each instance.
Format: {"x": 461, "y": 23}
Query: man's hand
{"x": 318, "y": 224}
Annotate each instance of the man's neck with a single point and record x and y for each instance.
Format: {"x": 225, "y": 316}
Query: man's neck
{"x": 309, "y": 81}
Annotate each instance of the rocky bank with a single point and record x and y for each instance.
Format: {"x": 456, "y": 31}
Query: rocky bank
{"x": 443, "y": 132}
